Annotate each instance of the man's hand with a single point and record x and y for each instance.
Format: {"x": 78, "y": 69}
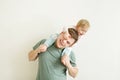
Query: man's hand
{"x": 71, "y": 70}
{"x": 42, "y": 48}
{"x": 34, "y": 53}
{"x": 65, "y": 60}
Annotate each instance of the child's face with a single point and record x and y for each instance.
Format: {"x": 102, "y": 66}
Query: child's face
{"x": 82, "y": 30}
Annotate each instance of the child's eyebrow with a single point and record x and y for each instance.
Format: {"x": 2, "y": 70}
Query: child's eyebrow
{"x": 70, "y": 36}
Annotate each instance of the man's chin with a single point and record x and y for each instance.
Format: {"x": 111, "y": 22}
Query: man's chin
{"x": 58, "y": 46}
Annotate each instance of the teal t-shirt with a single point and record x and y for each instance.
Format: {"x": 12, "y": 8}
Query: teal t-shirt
{"x": 49, "y": 63}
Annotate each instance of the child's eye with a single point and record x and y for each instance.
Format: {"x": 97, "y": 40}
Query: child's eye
{"x": 69, "y": 36}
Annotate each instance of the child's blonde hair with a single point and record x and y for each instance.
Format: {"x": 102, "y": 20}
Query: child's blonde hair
{"x": 83, "y": 23}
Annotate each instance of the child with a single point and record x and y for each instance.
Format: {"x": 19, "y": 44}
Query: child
{"x": 81, "y": 27}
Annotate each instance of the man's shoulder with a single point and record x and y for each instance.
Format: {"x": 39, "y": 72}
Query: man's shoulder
{"x": 43, "y": 40}
{"x": 39, "y": 43}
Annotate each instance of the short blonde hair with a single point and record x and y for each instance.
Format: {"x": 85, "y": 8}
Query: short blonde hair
{"x": 82, "y": 23}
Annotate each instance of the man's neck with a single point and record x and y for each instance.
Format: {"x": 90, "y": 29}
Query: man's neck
{"x": 55, "y": 44}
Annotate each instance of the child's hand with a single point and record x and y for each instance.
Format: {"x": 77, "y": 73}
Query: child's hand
{"x": 42, "y": 48}
{"x": 65, "y": 60}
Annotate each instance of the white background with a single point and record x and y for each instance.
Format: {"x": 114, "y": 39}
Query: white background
{"x": 24, "y": 22}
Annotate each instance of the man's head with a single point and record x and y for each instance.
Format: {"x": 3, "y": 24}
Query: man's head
{"x": 82, "y": 26}
{"x": 67, "y": 39}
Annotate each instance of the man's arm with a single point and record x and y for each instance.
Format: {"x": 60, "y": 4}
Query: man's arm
{"x": 32, "y": 55}
{"x": 71, "y": 70}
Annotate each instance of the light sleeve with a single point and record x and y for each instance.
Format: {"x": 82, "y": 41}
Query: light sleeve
{"x": 67, "y": 51}
{"x": 72, "y": 59}
{"x": 51, "y": 40}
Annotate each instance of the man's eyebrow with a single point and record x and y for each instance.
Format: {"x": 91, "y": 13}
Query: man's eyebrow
{"x": 68, "y": 42}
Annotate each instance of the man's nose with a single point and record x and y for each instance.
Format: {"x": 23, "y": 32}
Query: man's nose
{"x": 64, "y": 41}
{"x": 66, "y": 37}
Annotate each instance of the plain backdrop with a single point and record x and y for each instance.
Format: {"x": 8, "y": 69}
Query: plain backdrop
{"x": 24, "y": 22}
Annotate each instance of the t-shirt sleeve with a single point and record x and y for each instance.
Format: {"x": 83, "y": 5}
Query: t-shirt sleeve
{"x": 38, "y": 44}
{"x": 72, "y": 59}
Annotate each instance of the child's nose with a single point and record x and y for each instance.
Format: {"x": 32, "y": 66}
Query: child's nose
{"x": 81, "y": 33}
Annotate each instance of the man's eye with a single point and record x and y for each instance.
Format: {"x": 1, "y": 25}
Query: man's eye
{"x": 68, "y": 42}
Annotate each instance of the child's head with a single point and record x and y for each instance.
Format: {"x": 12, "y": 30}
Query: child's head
{"x": 82, "y": 26}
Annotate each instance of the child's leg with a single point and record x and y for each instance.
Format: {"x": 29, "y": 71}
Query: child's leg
{"x": 66, "y": 52}
{"x": 51, "y": 40}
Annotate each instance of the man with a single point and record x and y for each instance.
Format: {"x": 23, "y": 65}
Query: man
{"x": 50, "y": 65}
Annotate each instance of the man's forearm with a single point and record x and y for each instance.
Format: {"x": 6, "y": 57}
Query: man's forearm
{"x": 72, "y": 71}
{"x": 33, "y": 55}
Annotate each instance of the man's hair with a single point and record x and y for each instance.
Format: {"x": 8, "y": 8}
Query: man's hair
{"x": 82, "y": 23}
{"x": 73, "y": 33}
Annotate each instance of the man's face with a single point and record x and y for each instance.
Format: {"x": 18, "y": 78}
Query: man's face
{"x": 64, "y": 40}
